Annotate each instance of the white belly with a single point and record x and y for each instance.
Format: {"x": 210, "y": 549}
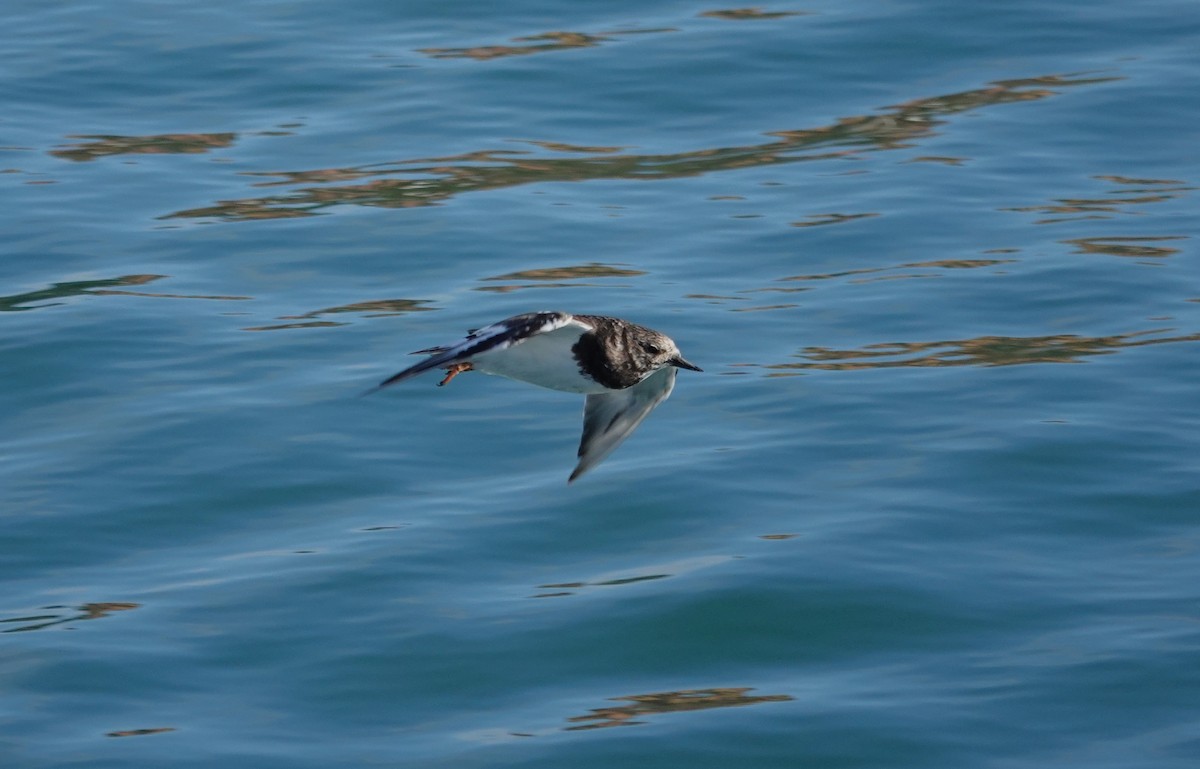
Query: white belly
{"x": 544, "y": 360}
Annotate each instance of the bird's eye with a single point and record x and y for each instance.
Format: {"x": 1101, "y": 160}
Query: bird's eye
{"x": 653, "y": 349}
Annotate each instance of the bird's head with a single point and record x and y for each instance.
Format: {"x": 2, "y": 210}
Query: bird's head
{"x": 661, "y": 351}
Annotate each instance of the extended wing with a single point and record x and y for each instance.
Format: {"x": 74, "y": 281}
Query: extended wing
{"x": 497, "y": 336}
{"x": 609, "y": 418}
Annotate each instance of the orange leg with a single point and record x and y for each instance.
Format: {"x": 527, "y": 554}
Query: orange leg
{"x": 453, "y": 371}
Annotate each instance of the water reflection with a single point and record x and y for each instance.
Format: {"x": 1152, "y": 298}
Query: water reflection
{"x": 644, "y": 574}
{"x": 563, "y": 147}
{"x": 429, "y": 181}
{"x": 1134, "y": 192}
{"x": 818, "y": 220}
{"x": 530, "y": 44}
{"x": 743, "y": 14}
{"x": 34, "y": 300}
{"x": 160, "y": 144}
{"x": 565, "y": 588}
{"x": 930, "y": 269}
{"x": 980, "y": 351}
{"x": 937, "y": 264}
{"x": 553, "y": 277}
{"x": 140, "y": 732}
{"x": 376, "y": 308}
{"x": 669, "y": 702}
{"x": 1126, "y": 246}
{"x": 86, "y": 611}
{"x": 943, "y": 159}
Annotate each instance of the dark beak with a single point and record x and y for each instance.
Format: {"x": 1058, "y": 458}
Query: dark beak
{"x": 679, "y": 362}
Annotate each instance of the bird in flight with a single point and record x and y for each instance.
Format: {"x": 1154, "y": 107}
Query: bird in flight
{"x": 624, "y": 369}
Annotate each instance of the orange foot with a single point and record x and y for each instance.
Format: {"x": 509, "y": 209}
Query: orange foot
{"x": 455, "y": 370}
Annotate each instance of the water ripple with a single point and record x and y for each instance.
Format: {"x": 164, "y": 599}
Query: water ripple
{"x": 553, "y": 277}
{"x": 63, "y": 615}
{"x": 979, "y": 351}
{"x": 36, "y": 300}
{"x": 547, "y": 42}
{"x": 1108, "y": 204}
{"x": 162, "y": 144}
{"x": 376, "y": 308}
{"x": 430, "y": 181}
{"x": 750, "y": 14}
{"x": 680, "y": 701}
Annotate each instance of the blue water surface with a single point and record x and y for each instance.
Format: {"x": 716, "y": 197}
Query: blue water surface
{"x": 934, "y": 501}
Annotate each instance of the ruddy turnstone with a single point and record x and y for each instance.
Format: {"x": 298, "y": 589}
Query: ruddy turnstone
{"x": 624, "y": 369}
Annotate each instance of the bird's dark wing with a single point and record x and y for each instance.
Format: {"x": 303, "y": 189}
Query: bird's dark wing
{"x": 497, "y": 336}
{"x": 609, "y": 418}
